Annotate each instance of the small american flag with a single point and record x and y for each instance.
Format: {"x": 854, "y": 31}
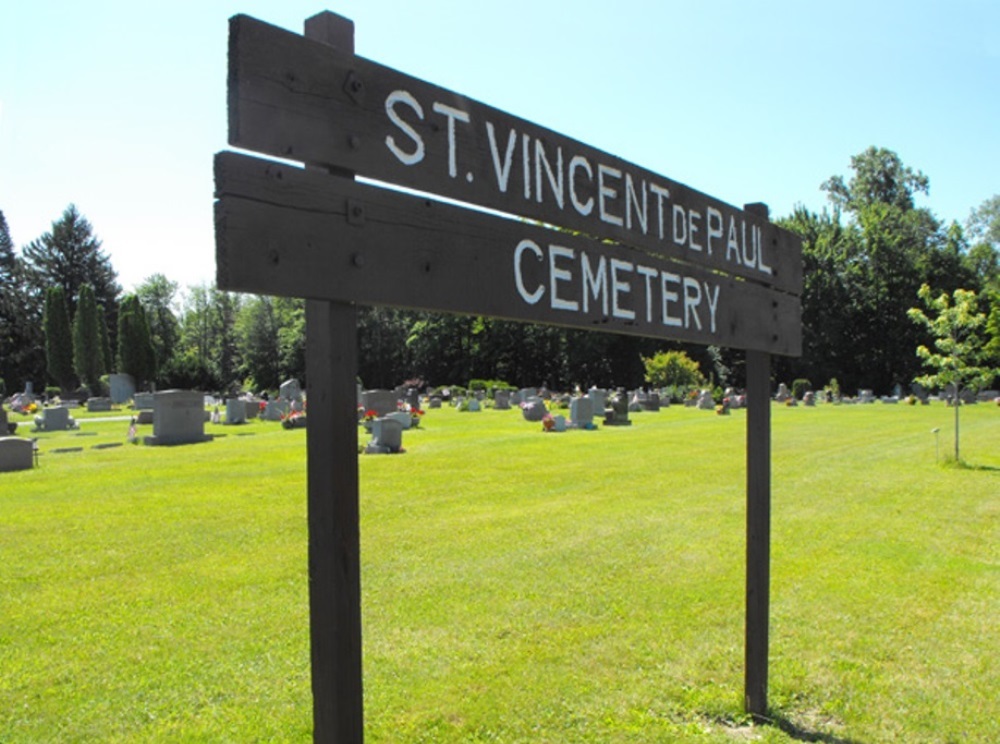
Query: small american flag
{"x": 131, "y": 431}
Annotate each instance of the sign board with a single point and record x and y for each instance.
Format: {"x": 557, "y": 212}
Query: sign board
{"x": 545, "y": 229}
{"x": 300, "y": 99}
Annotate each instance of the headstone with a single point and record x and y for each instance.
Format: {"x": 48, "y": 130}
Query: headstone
{"x": 652, "y": 402}
{"x": 4, "y": 424}
{"x": 144, "y": 417}
{"x": 99, "y": 405}
{"x": 707, "y": 403}
{"x": 897, "y": 391}
{"x": 559, "y": 423}
{"x": 435, "y": 402}
{"x": 634, "y": 403}
{"x": 275, "y": 410}
{"x": 412, "y": 399}
{"x": 387, "y": 437}
{"x": 533, "y": 410}
{"x": 178, "y": 418}
{"x": 501, "y": 400}
{"x": 252, "y": 408}
{"x": 290, "y": 390}
{"x": 809, "y": 399}
{"x": 616, "y": 414}
{"x": 142, "y": 401}
{"x": 782, "y": 394}
{"x": 236, "y": 411}
{"x": 54, "y": 419}
{"x": 404, "y": 419}
{"x": 473, "y": 405}
{"x": 866, "y": 396}
{"x": 29, "y": 388}
{"x": 379, "y": 401}
{"x": 598, "y": 399}
{"x": 987, "y": 396}
{"x": 16, "y": 453}
{"x": 122, "y": 387}
{"x": 581, "y": 413}
{"x": 526, "y": 393}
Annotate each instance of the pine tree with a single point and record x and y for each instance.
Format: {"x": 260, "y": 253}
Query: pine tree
{"x": 58, "y": 338}
{"x": 87, "y": 341}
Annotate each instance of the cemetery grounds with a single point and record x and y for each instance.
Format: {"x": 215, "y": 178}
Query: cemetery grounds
{"x": 517, "y": 586}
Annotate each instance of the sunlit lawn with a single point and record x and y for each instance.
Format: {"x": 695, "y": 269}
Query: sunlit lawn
{"x": 517, "y": 586}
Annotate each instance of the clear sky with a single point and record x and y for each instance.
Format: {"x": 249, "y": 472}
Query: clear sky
{"x": 118, "y": 107}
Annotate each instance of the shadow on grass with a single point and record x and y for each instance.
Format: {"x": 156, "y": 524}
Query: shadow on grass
{"x": 953, "y": 464}
{"x": 798, "y": 733}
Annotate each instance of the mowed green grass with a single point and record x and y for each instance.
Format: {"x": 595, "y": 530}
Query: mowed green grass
{"x": 517, "y": 586}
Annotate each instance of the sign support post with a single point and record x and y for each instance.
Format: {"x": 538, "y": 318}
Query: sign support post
{"x": 333, "y": 490}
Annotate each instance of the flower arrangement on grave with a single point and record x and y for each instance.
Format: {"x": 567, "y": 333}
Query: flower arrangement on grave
{"x": 415, "y": 413}
{"x": 548, "y": 422}
{"x": 294, "y": 420}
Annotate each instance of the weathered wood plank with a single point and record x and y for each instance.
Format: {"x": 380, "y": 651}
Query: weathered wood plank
{"x": 333, "y": 492}
{"x": 298, "y": 99}
{"x": 285, "y": 231}
{"x": 758, "y": 533}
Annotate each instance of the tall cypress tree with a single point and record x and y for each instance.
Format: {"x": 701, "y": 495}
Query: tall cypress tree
{"x": 58, "y": 338}
{"x": 87, "y": 341}
{"x": 107, "y": 360}
{"x": 135, "y": 349}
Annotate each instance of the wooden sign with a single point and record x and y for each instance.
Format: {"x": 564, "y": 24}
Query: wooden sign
{"x": 286, "y": 231}
{"x": 299, "y": 99}
{"x": 583, "y": 239}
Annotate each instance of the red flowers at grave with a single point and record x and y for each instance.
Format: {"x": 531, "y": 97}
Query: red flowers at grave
{"x": 370, "y": 415}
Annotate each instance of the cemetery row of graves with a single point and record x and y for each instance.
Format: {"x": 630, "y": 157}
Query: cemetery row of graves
{"x": 179, "y": 416}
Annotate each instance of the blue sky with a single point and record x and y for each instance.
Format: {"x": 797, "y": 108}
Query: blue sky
{"x": 119, "y": 107}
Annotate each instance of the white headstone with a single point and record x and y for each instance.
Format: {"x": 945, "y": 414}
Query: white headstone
{"x": 178, "y": 418}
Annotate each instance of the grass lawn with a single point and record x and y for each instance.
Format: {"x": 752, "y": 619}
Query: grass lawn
{"x": 517, "y": 586}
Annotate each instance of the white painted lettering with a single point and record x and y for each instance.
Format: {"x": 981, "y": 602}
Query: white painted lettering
{"x": 732, "y": 244}
{"x": 661, "y": 194}
{"x": 585, "y": 207}
{"x": 760, "y": 254}
{"x": 604, "y": 190}
{"x": 527, "y": 245}
{"x": 680, "y": 225}
{"x": 669, "y": 297}
{"x": 526, "y": 162}
{"x": 555, "y": 181}
{"x": 693, "y": 219}
{"x": 752, "y": 258}
{"x": 404, "y": 97}
{"x": 692, "y": 299}
{"x": 594, "y": 284}
{"x": 713, "y": 302}
{"x": 713, "y": 223}
{"x": 631, "y": 198}
{"x": 557, "y": 275}
{"x": 620, "y": 288}
{"x": 649, "y": 273}
{"x": 502, "y": 171}
{"x": 453, "y": 114}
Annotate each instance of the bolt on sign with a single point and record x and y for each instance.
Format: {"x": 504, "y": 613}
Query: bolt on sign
{"x": 519, "y": 222}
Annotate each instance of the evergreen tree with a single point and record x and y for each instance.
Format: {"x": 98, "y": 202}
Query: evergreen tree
{"x": 70, "y": 256}
{"x": 87, "y": 352}
{"x": 22, "y": 353}
{"x": 136, "y": 356}
{"x": 58, "y": 338}
{"x": 107, "y": 360}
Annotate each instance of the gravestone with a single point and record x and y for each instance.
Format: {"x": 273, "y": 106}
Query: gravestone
{"x": 4, "y": 423}
{"x": 99, "y": 405}
{"x": 380, "y": 401}
{"x": 501, "y": 400}
{"x": 122, "y": 387}
{"x": 635, "y": 403}
{"x": 473, "y": 405}
{"x": 533, "y": 410}
{"x": 236, "y": 411}
{"x": 866, "y": 396}
{"x": 598, "y": 399}
{"x": 143, "y": 401}
{"x": 652, "y": 402}
{"x": 290, "y": 390}
{"x": 178, "y": 418}
{"x": 781, "y": 396}
{"x": 54, "y": 419}
{"x": 435, "y": 402}
{"x": 275, "y": 410}
{"x": 144, "y": 417}
{"x": 404, "y": 419}
{"x": 251, "y": 408}
{"x": 581, "y": 413}
{"x": 387, "y": 437}
{"x": 616, "y": 414}
{"x": 412, "y": 399}
{"x": 526, "y": 393}
{"x": 16, "y": 453}
{"x": 809, "y": 399}
{"x": 707, "y": 403}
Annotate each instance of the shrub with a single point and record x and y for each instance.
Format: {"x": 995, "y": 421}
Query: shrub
{"x": 800, "y": 387}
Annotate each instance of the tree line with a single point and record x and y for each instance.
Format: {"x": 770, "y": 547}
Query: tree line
{"x": 64, "y": 320}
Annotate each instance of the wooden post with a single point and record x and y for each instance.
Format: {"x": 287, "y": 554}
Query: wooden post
{"x": 334, "y": 525}
{"x": 758, "y": 524}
